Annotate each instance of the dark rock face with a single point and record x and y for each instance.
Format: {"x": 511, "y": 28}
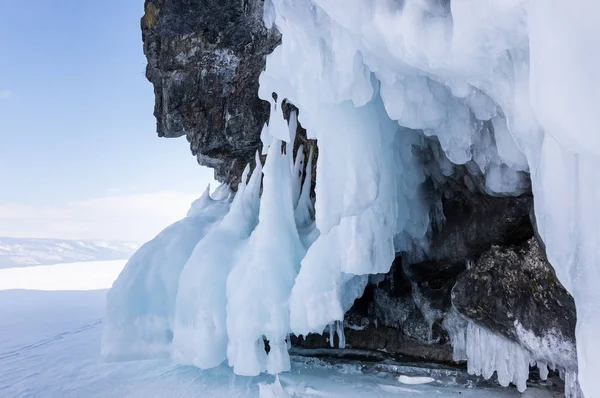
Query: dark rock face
{"x": 204, "y": 60}
{"x": 475, "y": 222}
{"x": 514, "y": 292}
{"x": 394, "y": 315}
{"x": 402, "y": 312}
{"x": 472, "y": 224}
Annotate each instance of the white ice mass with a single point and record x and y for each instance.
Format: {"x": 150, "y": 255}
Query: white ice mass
{"x": 512, "y": 85}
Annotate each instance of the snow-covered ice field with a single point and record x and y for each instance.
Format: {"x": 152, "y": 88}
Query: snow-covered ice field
{"x": 51, "y": 321}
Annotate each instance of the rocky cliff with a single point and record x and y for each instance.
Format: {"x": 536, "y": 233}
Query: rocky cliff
{"x": 204, "y": 60}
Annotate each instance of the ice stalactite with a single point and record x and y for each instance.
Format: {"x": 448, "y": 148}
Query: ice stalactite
{"x": 337, "y": 328}
{"x": 363, "y": 211}
{"x": 304, "y": 213}
{"x": 259, "y": 285}
{"x": 572, "y": 387}
{"x": 487, "y": 354}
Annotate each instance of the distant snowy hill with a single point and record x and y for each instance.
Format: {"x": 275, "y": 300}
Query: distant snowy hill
{"x": 23, "y": 252}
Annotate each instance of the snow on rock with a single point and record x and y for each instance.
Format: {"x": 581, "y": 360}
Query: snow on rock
{"x": 541, "y": 317}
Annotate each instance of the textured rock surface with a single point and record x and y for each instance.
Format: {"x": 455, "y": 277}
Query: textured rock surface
{"x": 402, "y": 312}
{"x": 204, "y": 59}
{"x": 514, "y": 292}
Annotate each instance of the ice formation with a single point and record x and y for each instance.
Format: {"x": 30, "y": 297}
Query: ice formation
{"x": 266, "y": 270}
{"x": 487, "y": 354}
{"x": 510, "y": 86}
{"x": 199, "y": 335}
{"x": 141, "y": 303}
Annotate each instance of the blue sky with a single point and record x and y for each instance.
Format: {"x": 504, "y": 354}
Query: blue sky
{"x": 76, "y": 125}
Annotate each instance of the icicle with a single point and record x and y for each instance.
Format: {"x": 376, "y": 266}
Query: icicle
{"x": 337, "y": 328}
{"x": 278, "y": 127}
{"x": 456, "y": 326}
{"x": 486, "y": 352}
{"x": 293, "y": 127}
{"x": 266, "y": 139}
{"x": 243, "y": 182}
{"x": 252, "y": 199}
{"x": 543, "y": 369}
{"x": 340, "y": 333}
{"x": 297, "y": 175}
{"x": 304, "y": 213}
{"x": 331, "y": 335}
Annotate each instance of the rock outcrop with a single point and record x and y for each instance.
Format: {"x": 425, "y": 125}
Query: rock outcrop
{"x": 403, "y": 310}
{"x": 514, "y": 292}
{"x": 204, "y": 60}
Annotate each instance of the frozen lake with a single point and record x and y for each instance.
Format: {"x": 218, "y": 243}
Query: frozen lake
{"x": 50, "y": 330}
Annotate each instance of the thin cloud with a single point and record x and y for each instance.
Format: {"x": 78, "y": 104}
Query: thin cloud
{"x": 5, "y": 94}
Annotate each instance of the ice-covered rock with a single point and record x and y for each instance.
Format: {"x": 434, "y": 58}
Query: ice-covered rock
{"x": 514, "y": 292}
{"x": 505, "y": 89}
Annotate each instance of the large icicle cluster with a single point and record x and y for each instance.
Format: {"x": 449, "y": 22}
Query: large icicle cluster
{"x": 487, "y": 354}
{"x": 511, "y": 85}
{"x": 506, "y": 86}
{"x": 216, "y": 285}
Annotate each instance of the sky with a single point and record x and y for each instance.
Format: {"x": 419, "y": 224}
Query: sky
{"x": 79, "y": 154}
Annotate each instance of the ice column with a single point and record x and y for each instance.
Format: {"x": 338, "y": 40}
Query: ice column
{"x": 260, "y": 283}
{"x": 199, "y": 333}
